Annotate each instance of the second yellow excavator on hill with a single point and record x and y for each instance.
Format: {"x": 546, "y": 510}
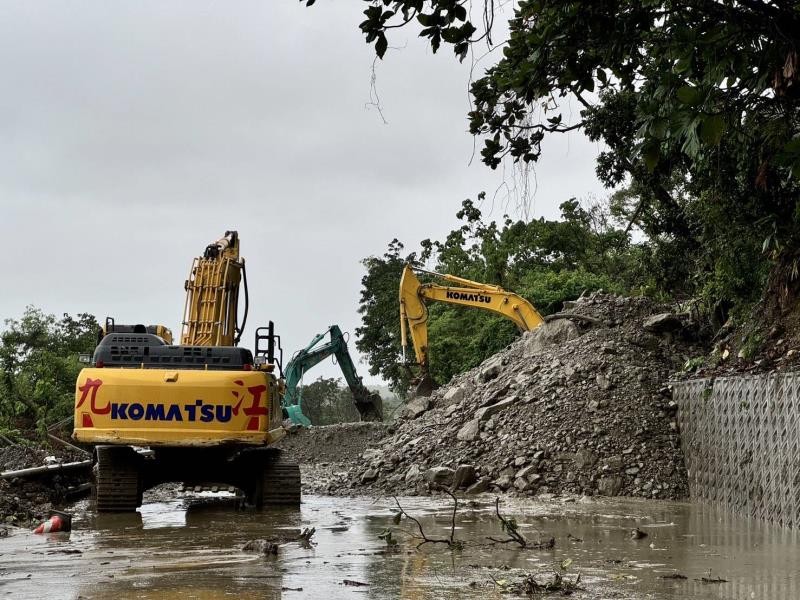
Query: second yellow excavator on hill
{"x": 414, "y": 295}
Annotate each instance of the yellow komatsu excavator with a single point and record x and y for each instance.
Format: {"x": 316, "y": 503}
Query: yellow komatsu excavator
{"x": 204, "y": 412}
{"x": 414, "y": 295}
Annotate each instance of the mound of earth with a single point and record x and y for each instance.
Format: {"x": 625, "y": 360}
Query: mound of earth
{"x": 24, "y": 501}
{"x": 326, "y": 453}
{"x": 579, "y": 406}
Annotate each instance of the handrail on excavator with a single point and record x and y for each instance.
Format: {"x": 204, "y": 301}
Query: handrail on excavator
{"x": 414, "y": 295}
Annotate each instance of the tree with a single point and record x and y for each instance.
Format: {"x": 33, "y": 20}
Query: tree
{"x": 378, "y": 337}
{"x": 39, "y": 362}
{"x": 695, "y": 102}
{"x": 326, "y": 402}
{"x": 546, "y": 261}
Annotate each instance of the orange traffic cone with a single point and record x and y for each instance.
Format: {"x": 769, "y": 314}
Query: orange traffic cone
{"x": 57, "y": 522}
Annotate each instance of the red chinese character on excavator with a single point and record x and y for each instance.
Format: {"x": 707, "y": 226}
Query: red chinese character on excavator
{"x": 91, "y": 386}
{"x": 255, "y": 409}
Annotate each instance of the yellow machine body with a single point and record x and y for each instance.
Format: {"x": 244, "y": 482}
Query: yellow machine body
{"x": 414, "y": 295}
{"x": 177, "y": 407}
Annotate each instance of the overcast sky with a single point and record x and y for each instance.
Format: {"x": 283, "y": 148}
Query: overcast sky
{"x": 133, "y": 134}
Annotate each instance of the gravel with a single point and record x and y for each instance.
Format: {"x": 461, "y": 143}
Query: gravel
{"x": 575, "y": 407}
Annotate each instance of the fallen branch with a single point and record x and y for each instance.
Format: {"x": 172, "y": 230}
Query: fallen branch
{"x": 510, "y": 526}
{"x": 451, "y": 541}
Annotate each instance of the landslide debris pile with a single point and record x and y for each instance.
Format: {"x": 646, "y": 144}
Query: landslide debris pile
{"x": 23, "y": 501}
{"x": 330, "y": 450}
{"x": 576, "y": 407}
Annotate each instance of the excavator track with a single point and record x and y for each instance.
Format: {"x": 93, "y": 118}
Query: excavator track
{"x": 280, "y": 485}
{"x": 117, "y": 479}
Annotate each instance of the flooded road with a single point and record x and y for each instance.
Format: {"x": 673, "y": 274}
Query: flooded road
{"x": 185, "y": 548}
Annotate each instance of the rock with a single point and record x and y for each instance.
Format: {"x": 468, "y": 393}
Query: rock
{"x": 413, "y": 474}
{"x": 549, "y": 334}
{"x": 416, "y": 407}
{"x": 470, "y": 431}
{"x": 439, "y": 475}
{"x": 662, "y": 323}
{"x": 525, "y": 473}
{"x": 464, "y": 476}
{"x": 503, "y": 482}
{"x": 453, "y": 396}
{"x": 371, "y": 454}
{"x": 369, "y": 475}
{"x": 609, "y": 486}
{"x": 521, "y": 484}
{"x": 584, "y": 459}
{"x": 482, "y": 485}
{"x": 603, "y": 382}
{"x": 483, "y": 414}
{"x": 490, "y": 368}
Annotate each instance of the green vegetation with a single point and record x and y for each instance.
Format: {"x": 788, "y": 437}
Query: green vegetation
{"x": 39, "y": 362}
{"x": 546, "y": 261}
{"x": 695, "y": 108}
{"x": 326, "y": 402}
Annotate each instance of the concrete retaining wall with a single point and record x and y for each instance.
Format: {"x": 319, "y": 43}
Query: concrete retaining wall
{"x": 741, "y": 441}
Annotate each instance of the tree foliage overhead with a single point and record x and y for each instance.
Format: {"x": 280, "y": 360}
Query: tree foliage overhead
{"x": 695, "y": 103}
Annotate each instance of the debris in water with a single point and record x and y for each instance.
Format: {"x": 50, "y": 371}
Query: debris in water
{"x": 264, "y": 547}
{"x": 638, "y": 534}
{"x": 353, "y": 583}
{"x": 57, "y": 522}
{"x": 673, "y": 576}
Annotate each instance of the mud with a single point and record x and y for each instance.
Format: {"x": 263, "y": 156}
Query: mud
{"x": 192, "y": 548}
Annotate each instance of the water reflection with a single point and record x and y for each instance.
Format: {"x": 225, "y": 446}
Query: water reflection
{"x": 192, "y": 549}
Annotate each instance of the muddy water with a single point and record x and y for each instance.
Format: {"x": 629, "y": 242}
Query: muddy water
{"x": 191, "y": 548}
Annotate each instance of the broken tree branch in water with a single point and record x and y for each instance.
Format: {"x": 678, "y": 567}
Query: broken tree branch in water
{"x": 510, "y": 526}
{"x": 451, "y": 541}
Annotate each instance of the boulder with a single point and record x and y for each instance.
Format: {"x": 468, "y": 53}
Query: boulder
{"x": 439, "y": 475}
{"x": 480, "y": 486}
{"x": 464, "y": 476}
{"x": 413, "y": 474}
{"x": 662, "y": 323}
{"x": 491, "y": 368}
{"x": 470, "y": 431}
{"x": 453, "y": 396}
{"x": 483, "y": 414}
{"x": 369, "y": 475}
{"x": 548, "y": 334}
{"x": 609, "y": 486}
{"x": 416, "y": 407}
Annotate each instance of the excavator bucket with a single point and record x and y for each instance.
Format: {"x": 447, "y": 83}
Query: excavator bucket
{"x": 371, "y": 409}
{"x": 425, "y": 386}
{"x": 296, "y": 416}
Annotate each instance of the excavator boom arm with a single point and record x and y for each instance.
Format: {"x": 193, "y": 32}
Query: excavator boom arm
{"x": 414, "y": 295}
{"x": 210, "y": 316}
{"x": 368, "y": 407}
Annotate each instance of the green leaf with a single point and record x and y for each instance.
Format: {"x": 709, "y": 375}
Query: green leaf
{"x": 689, "y": 95}
{"x": 711, "y": 129}
{"x": 650, "y": 155}
{"x": 683, "y": 64}
{"x": 381, "y": 45}
{"x": 658, "y": 128}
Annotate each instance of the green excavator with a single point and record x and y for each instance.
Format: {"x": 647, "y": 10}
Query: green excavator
{"x": 369, "y": 404}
